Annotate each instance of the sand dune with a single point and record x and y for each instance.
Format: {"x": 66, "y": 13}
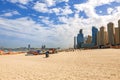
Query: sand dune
{"x": 103, "y": 64}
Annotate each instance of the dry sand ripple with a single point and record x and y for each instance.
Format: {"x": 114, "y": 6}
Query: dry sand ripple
{"x": 77, "y": 65}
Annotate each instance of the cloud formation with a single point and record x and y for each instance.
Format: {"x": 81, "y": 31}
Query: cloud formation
{"x": 20, "y": 1}
{"x": 10, "y": 13}
{"x": 58, "y": 35}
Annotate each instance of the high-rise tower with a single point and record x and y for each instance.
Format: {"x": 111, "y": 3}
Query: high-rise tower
{"x": 119, "y": 30}
{"x": 94, "y": 35}
{"x": 75, "y": 43}
{"x": 117, "y": 41}
{"x": 80, "y": 39}
{"x": 111, "y": 39}
{"x": 102, "y": 35}
{"x": 89, "y": 39}
{"x": 28, "y": 46}
{"x": 98, "y": 38}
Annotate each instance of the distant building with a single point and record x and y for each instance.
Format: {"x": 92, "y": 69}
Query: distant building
{"x": 43, "y": 47}
{"x": 94, "y": 35}
{"x": 106, "y": 38}
{"x": 80, "y": 39}
{"x": 98, "y": 38}
{"x": 117, "y": 37}
{"x": 75, "y": 42}
{"x": 28, "y": 46}
{"x": 89, "y": 39}
{"x": 111, "y": 39}
{"x": 119, "y": 30}
{"x": 102, "y": 37}
{"x": 119, "y": 23}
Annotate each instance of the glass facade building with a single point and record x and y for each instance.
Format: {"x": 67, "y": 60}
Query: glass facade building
{"x": 94, "y": 35}
{"x": 80, "y": 39}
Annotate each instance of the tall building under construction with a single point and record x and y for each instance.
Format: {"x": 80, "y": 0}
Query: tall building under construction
{"x": 111, "y": 31}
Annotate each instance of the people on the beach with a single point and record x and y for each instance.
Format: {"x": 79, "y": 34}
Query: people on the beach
{"x": 47, "y": 54}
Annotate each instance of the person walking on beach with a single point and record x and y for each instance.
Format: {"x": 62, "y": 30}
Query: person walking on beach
{"x": 47, "y": 54}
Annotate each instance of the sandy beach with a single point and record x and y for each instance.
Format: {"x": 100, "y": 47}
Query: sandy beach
{"x": 99, "y": 64}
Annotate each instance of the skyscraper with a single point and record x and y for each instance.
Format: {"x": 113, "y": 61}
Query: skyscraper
{"x": 80, "y": 39}
{"x": 106, "y": 38}
{"x": 75, "y": 44}
{"x": 119, "y": 30}
{"x": 98, "y": 38}
{"x": 94, "y": 35}
{"x": 28, "y": 46}
{"x": 117, "y": 41}
{"x": 111, "y": 39}
{"x": 102, "y": 35}
{"x": 89, "y": 39}
{"x": 119, "y": 24}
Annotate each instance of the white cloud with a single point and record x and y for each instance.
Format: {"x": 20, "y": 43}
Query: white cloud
{"x": 9, "y": 14}
{"x": 63, "y": 19}
{"x": 21, "y": 6}
{"x": 98, "y": 2}
{"x": 118, "y": 8}
{"x": 61, "y": 35}
{"x": 55, "y": 10}
{"x": 19, "y": 1}
{"x": 58, "y": 1}
{"x": 111, "y": 10}
{"x": 89, "y": 6}
{"x": 41, "y": 7}
{"x": 50, "y": 2}
{"x": 53, "y": 2}
{"x": 22, "y": 28}
{"x": 75, "y": 23}
{"x": 61, "y": 11}
{"x": 117, "y": 0}
{"x": 100, "y": 11}
{"x": 24, "y": 1}
{"x": 15, "y": 13}
{"x": 94, "y": 18}
{"x": 66, "y": 10}
{"x": 27, "y": 29}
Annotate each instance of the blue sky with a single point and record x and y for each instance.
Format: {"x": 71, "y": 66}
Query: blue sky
{"x": 52, "y": 22}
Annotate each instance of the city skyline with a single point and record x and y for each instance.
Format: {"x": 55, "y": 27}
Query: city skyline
{"x": 101, "y": 38}
{"x": 53, "y": 23}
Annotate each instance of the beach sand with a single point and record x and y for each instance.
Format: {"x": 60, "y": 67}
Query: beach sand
{"x": 97, "y": 64}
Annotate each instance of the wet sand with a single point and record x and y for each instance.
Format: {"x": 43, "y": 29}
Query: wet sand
{"x": 99, "y": 64}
